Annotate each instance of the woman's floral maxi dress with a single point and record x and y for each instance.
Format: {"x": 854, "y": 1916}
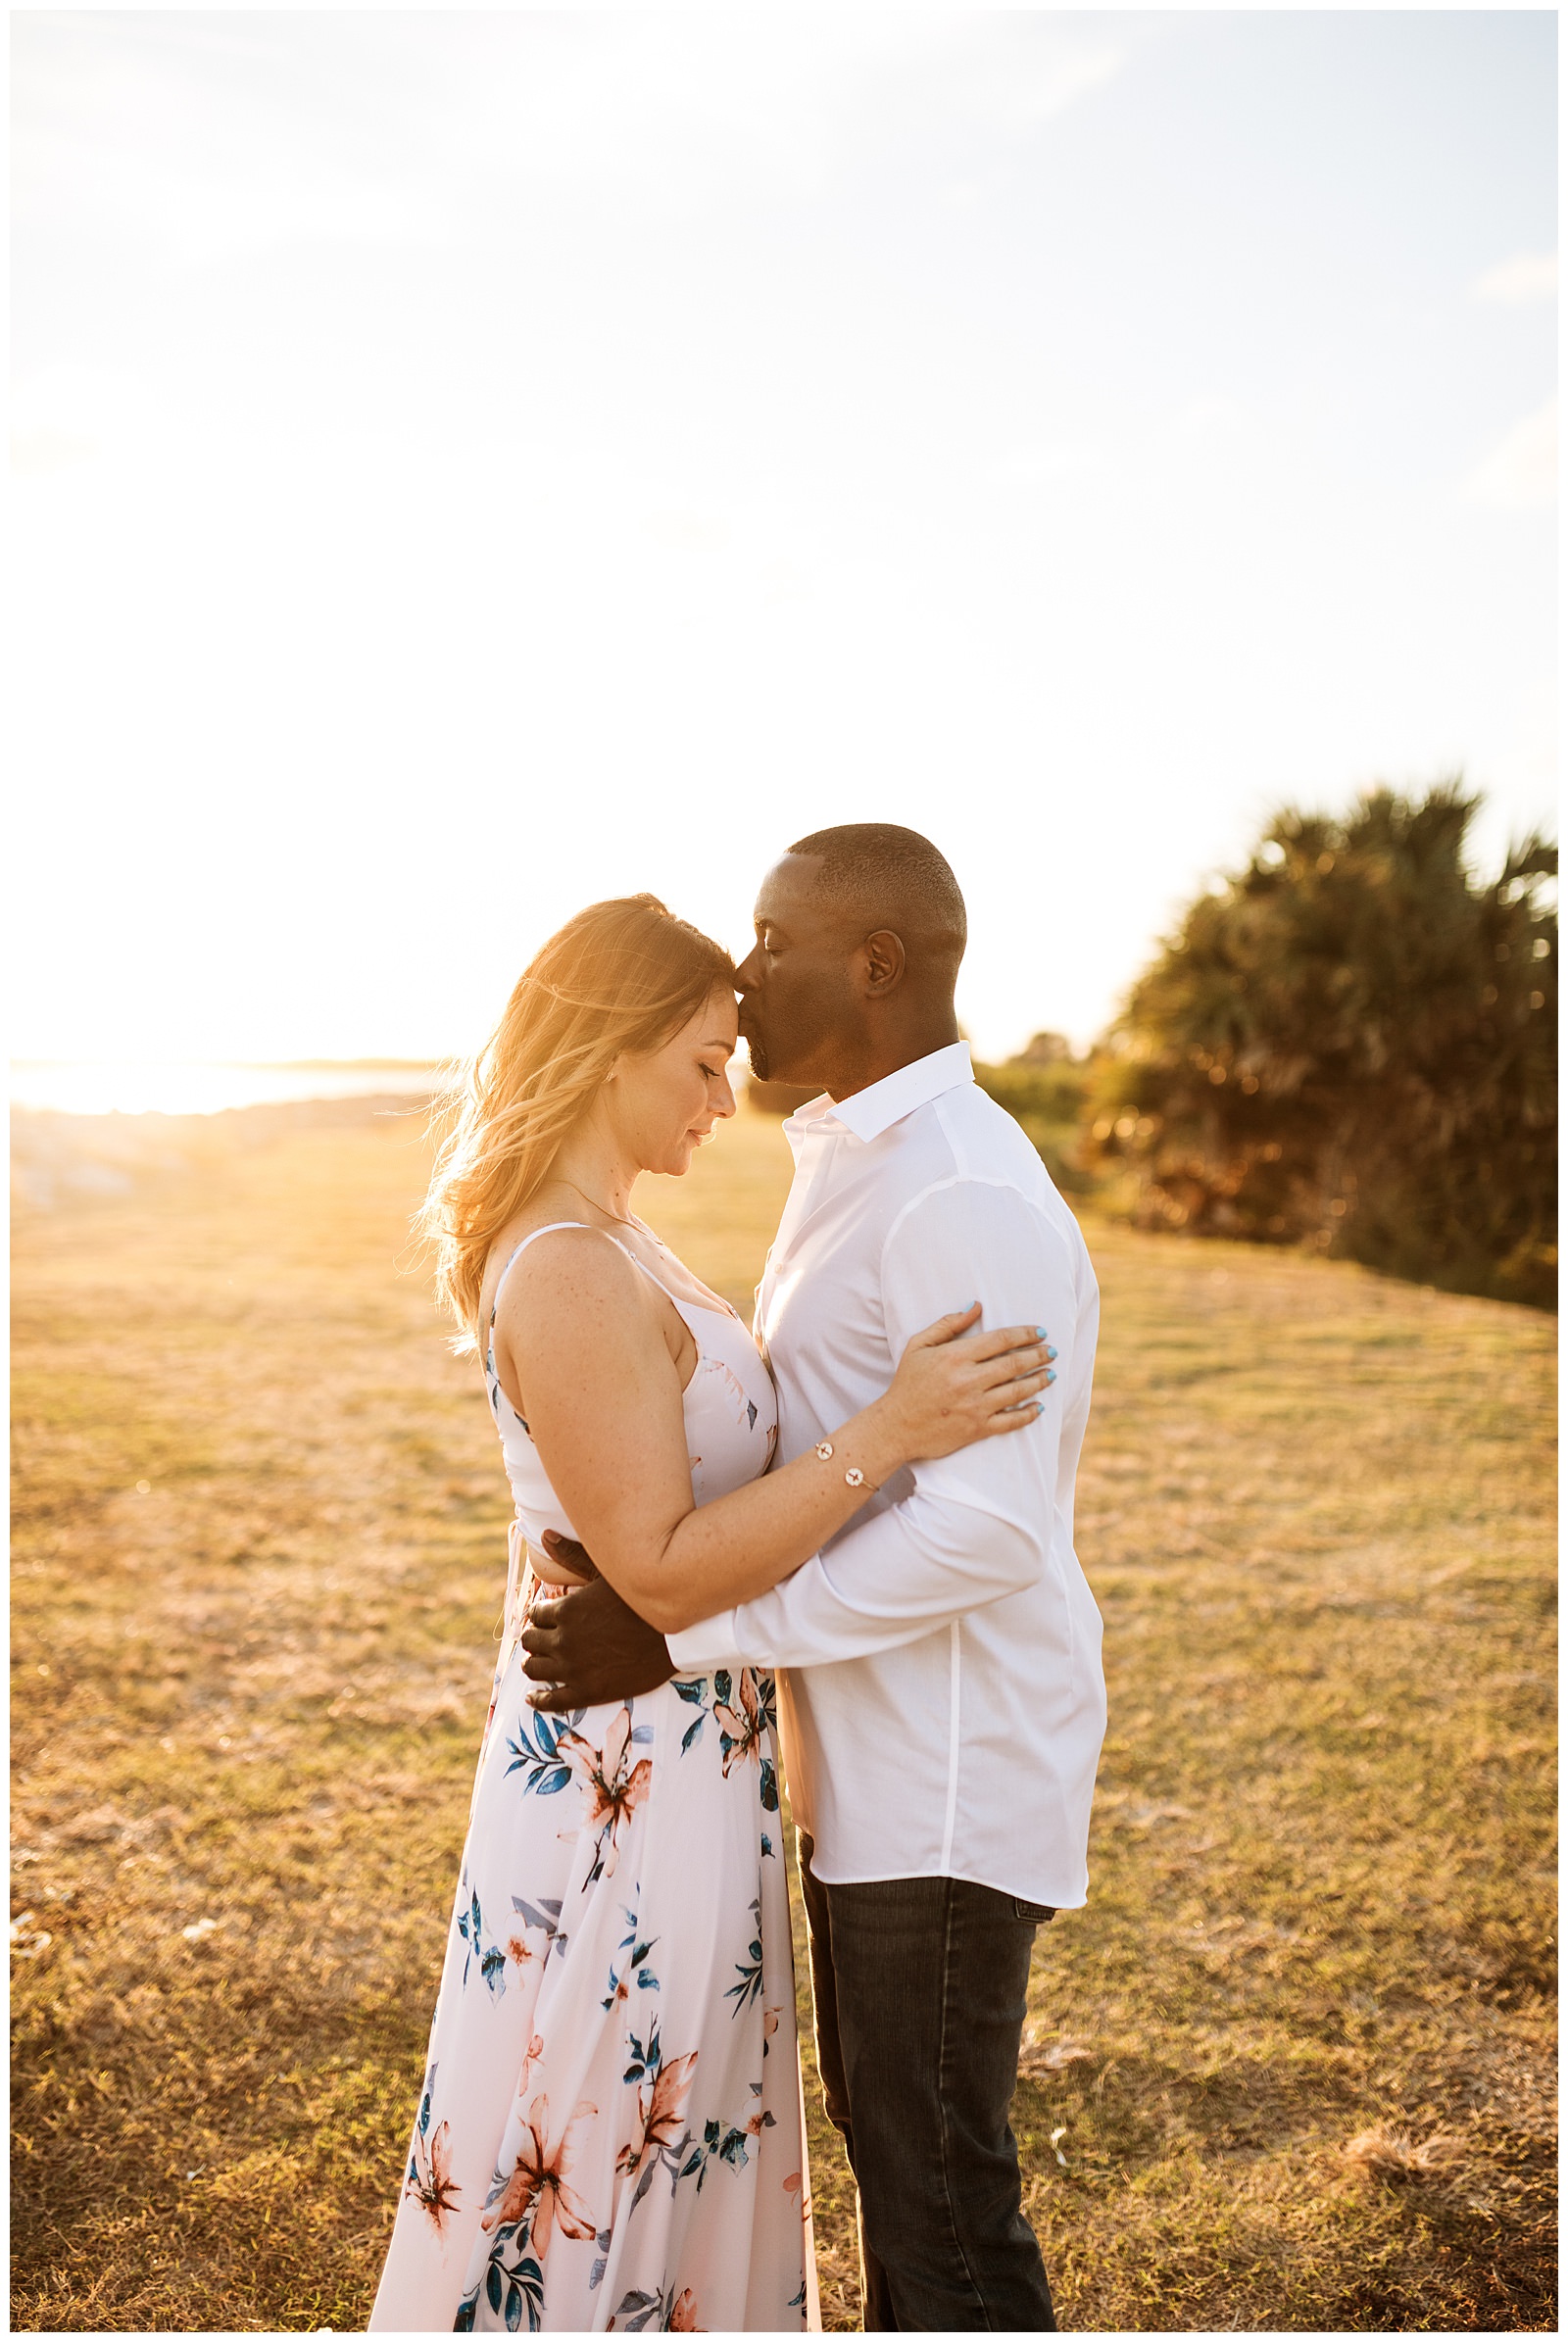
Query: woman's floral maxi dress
{"x": 610, "y": 2135}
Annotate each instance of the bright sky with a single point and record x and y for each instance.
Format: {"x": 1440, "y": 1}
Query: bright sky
{"x": 468, "y": 464}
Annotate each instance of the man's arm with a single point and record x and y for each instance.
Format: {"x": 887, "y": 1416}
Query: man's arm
{"x": 588, "y": 1645}
{"x": 978, "y": 1523}
{"x": 975, "y": 1528}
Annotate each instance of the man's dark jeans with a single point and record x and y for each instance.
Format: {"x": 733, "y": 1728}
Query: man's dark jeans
{"x": 919, "y": 1987}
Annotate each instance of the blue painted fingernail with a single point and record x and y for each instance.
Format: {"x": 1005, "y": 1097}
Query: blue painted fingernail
{"x": 1050, "y": 1351}
{"x": 1051, "y": 1374}
{"x": 1038, "y": 1407}
{"x": 1040, "y": 1336}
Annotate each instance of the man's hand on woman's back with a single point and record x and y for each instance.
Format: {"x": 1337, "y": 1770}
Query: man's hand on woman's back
{"x": 589, "y": 1646}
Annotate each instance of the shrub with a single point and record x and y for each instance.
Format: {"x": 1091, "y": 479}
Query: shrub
{"x": 1352, "y": 1044}
{"x": 1046, "y": 1089}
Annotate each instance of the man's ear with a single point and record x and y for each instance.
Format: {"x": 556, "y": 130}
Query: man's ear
{"x": 882, "y": 963}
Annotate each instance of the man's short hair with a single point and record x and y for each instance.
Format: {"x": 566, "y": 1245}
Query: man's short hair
{"x": 892, "y": 877}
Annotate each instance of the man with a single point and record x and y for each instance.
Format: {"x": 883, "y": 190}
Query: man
{"x": 941, "y": 1700}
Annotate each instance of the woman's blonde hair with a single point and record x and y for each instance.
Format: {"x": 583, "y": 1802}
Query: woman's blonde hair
{"x": 623, "y": 975}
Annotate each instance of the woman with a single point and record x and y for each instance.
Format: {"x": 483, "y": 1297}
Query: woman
{"x": 609, "y": 2132}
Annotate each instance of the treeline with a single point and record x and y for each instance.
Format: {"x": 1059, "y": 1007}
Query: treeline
{"x": 1349, "y": 1044}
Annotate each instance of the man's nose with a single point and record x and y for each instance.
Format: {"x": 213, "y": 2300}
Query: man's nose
{"x": 750, "y": 972}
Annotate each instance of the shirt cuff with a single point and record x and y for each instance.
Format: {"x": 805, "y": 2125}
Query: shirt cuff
{"x": 695, "y": 1649}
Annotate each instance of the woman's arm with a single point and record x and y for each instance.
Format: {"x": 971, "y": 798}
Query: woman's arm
{"x": 582, "y": 1332}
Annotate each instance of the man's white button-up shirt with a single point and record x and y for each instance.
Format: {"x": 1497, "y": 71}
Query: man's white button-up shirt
{"x": 943, "y": 1703}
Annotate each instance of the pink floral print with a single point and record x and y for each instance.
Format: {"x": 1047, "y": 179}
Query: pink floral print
{"x": 621, "y": 1887}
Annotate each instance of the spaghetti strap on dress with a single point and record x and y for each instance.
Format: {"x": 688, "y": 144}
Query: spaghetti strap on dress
{"x": 610, "y": 2135}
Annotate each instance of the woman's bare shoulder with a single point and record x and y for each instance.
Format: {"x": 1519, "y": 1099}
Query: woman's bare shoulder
{"x": 565, "y": 1271}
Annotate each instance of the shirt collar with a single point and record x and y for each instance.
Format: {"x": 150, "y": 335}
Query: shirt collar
{"x": 870, "y": 1112}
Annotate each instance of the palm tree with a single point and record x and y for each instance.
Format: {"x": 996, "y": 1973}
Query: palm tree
{"x": 1353, "y": 1044}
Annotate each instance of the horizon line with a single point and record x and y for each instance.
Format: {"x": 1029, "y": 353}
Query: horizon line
{"x": 248, "y": 1064}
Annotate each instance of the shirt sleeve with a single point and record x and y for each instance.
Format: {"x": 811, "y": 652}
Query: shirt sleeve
{"x": 977, "y": 1525}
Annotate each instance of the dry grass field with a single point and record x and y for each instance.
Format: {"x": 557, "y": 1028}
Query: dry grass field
{"x": 1292, "y": 2068}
